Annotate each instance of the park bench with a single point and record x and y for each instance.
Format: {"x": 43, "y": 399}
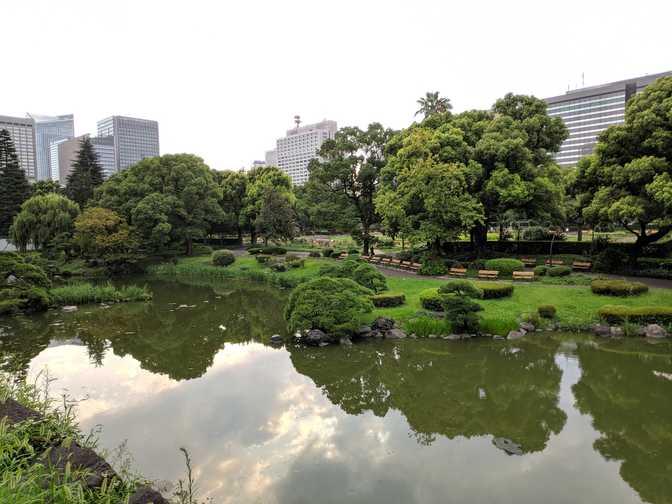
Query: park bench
{"x": 458, "y": 272}
{"x": 582, "y": 265}
{"x": 375, "y": 259}
{"x": 488, "y": 274}
{"x": 523, "y": 275}
{"x": 396, "y": 263}
{"x": 342, "y": 255}
{"x": 554, "y": 262}
{"x": 386, "y": 261}
{"x": 529, "y": 262}
{"x": 413, "y": 266}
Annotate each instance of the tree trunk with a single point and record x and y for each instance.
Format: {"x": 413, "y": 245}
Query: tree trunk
{"x": 366, "y": 239}
{"x": 240, "y": 235}
{"x": 253, "y": 236}
{"x": 579, "y": 233}
{"x": 189, "y": 247}
{"x": 501, "y": 232}
{"x": 480, "y": 233}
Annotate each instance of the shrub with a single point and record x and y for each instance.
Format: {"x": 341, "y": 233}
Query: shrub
{"x": 273, "y": 250}
{"x": 314, "y": 253}
{"x": 609, "y": 260}
{"x": 369, "y": 277}
{"x": 353, "y": 251}
{"x": 461, "y": 313}
{"x": 617, "y": 314}
{"x": 606, "y": 287}
{"x": 538, "y": 233}
{"x": 263, "y": 259}
{"x": 540, "y": 270}
{"x": 495, "y": 290}
{"x": 547, "y": 311}
{"x": 84, "y": 292}
{"x": 328, "y": 252}
{"x": 254, "y": 250}
{"x": 504, "y": 266}
{"x": 334, "y": 305}
{"x": 654, "y": 263}
{"x": 201, "y": 249}
{"x": 461, "y": 288}
{"x": 425, "y": 326}
{"x": 295, "y": 262}
{"x": 559, "y": 271}
{"x": 433, "y": 267}
{"x": 431, "y": 300}
{"x": 223, "y": 258}
{"x": 279, "y": 266}
{"x": 388, "y": 300}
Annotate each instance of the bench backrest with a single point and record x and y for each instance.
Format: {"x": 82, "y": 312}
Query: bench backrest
{"x": 488, "y": 273}
{"x": 458, "y": 270}
{"x": 555, "y": 262}
{"x": 523, "y": 274}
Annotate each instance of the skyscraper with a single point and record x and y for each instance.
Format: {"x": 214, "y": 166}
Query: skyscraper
{"x": 63, "y": 154}
{"x": 22, "y": 131}
{"x": 298, "y": 147}
{"x": 587, "y": 112}
{"x": 49, "y": 129}
{"x": 134, "y": 139}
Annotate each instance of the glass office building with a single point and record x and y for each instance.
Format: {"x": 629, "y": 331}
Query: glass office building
{"x": 63, "y": 154}
{"x": 587, "y": 112}
{"x": 22, "y": 132}
{"x": 134, "y": 139}
{"x": 49, "y": 129}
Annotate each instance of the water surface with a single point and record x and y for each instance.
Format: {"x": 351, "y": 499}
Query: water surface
{"x": 561, "y": 419}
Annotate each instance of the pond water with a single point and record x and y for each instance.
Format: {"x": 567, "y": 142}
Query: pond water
{"x": 558, "y": 419}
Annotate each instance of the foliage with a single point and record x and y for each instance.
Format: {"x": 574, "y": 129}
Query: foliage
{"x": 559, "y": 271}
{"x": 424, "y": 326}
{"x": 169, "y": 200}
{"x": 432, "y": 267}
{"x": 432, "y": 103}
{"x": 14, "y": 187}
{"x": 234, "y": 186}
{"x": 617, "y": 314}
{"x": 262, "y": 258}
{"x": 540, "y": 270}
{"x": 608, "y": 287}
{"x": 328, "y": 252}
{"x": 202, "y": 249}
{"x": 654, "y": 263}
{"x": 431, "y": 300}
{"x": 460, "y": 310}
{"x": 547, "y": 311}
{"x": 609, "y": 260}
{"x": 462, "y": 288}
{"x": 276, "y": 217}
{"x": 279, "y": 266}
{"x": 86, "y": 174}
{"x": 223, "y": 257}
{"x": 42, "y": 187}
{"x": 86, "y": 292}
{"x": 388, "y": 299}
{"x": 504, "y": 266}
{"x": 42, "y": 219}
{"x": 23, "y": 286}
{"x": 495, "y": 290}
{"x": 333, "y": 305}
{"x": 314, "y": 253}
{"x": 273, "y": 250}
{"x": 629, "y": 177}
{"x": 268, "y": 188}
{"x": 540, "y": 233}
{"x": 254, "y": 250}
{"x": 369, "y": 277}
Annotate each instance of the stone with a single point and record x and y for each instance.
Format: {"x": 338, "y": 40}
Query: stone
{"x": 16, "y": 412}
{"x": 69, "y": 308}
{"x": 655, "y": 331}
{"x": 432, "y": 336}
{"x": 616, "y": 332}
{"x": 363, "y": 332}
{"x": 382, "y": 324}
{"x": 146, "y": 495}
{"x": 498, "y": 337}
{"x": 315, "y": 337}
{"x": 508, "y": 446}
{"x": 395, "y": 334}
{"x": 527, "y": 326}
{"x": 452, "y": 337}
{"x": 276, "y": 339}
{"x": 602, "y": 330}
{"x": 413, "y": 336}
{"x": 345, "y": 341}
{"x": 11, "y": 280}
{"x": 514, "y": 335}
{"x": 94, "y": 469}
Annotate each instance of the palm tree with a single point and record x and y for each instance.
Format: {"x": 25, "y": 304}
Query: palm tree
{"x": 431, "y": 103}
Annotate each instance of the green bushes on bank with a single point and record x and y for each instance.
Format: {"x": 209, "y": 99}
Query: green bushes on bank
{"x": 618, "y": 314}
{"x": 223, "y": 258}
{"x": 23, "y": 286}
{"x": 559, "y": 271}
{"x": 85, "y": 293}
{"x": 505, "y": 267}
{"x": 540, "y": 270}
{"x": 388, "y": 299}
{"x": 606, "y": 287}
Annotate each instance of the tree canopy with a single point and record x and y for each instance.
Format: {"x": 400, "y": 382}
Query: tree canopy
{"x": 432, "y": 103}
{"x": 86, "y": 174}
{"x": 14, "y": 187}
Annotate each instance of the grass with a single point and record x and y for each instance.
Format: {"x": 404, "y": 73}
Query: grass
{"x": 85, "y": 293}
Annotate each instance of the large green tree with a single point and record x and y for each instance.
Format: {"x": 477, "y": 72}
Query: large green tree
{"x": 14, "y": 187}
{"x": 630, "y": 175}
{"x": 170, "y": 200}
{"x": 234, "y": 188}
{"x": 267, "y": 187}
{"x": 432, "y": 103}
{"x": 350, "y": 166}
{"x": 86, "y": 174}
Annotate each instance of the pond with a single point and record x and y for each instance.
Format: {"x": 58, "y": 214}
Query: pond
{"x": 552, "y": 418}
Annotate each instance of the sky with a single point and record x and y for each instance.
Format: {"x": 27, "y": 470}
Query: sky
{"x": 225, "y": 78}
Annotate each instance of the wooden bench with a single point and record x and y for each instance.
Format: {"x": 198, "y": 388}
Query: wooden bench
{"x": 386, "y": 261}
{"x": 375, "y": 259}
{"x": 396, "y": 263}
{"x": 554, "y": 262}
{"x": 529, "y": 262}
{"x": 523, "y": 275}
{"x": 488, "y": 274}
{"x": 459, "y": 272}
{"x": 342, "y": 255}
{"x": 582, "y": 265}
{"x": 413, "y": 266}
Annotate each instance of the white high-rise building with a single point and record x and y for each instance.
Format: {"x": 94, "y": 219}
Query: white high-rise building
{"x": 22, "y": 132}
{"x": 294, "y": 151}
{"x": 134, "y": 139}
{"x": 49, "y": 129}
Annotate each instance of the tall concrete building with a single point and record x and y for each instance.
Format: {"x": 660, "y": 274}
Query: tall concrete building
{"x": 294, "y": 151}
{"x": 134, "y": 139}
{"x": 588, "y": 111}
{"x": 22, "y": 132}
{"x": 49, "y": 129}
{"x": 63, "y": 153}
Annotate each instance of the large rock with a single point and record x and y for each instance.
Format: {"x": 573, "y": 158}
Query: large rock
{"x": 345, "y": 341}
{"x": 395, "y": 334}
{"x": 15, "y": 412}
{"x": 92, "y": 467}
{"x": 616, "y": 332}
{"x": 147, "y": 495}
{"x": 382, "y": 324}
{"x": 276, "y": 339}
{"x": 527, "y": 326}
{"x": 363, "y": 332}
{"x": 315, "y": 337}
{"x": 602, "y": 330}
{"x": 514, "y": 335}
{"x": 507, "y": 446}
{"x": 655, "y": 331}
{"x": 11, "y": 280}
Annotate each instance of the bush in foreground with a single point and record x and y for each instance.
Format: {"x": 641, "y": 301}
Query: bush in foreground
{"x": 618, "y": 314}
{"x": 460, "y": 309}
{"x": 430, "y": 300}
{"x": 607, "y": 287}
{"x": 540, "y": 271}
{"x": 504, "y": 266}
{"x": 559, "y": 271}
{"x": 369, "y": 277}
{"x": 223, "y": 258}
{"x": 495, "y": 290}
{"x": 333, "y": 305}
{"x": 388, "y": 300}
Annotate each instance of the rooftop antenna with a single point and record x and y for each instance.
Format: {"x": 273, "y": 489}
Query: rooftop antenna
{"x": 297, "y": 121}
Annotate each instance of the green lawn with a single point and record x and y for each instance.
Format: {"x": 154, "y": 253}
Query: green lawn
{"x": 576, "y": 305}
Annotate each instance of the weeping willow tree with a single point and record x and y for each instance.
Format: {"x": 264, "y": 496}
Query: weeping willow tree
{"x": 42, "y": 219}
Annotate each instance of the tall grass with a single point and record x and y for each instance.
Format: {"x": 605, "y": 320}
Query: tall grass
{"x": 85, "y": 292}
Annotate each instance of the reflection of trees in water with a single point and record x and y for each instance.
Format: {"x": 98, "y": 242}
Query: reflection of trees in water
{"x": 164, "y": 337}
{"x": 446, "y": 389}
{"x": 631, "y": 408}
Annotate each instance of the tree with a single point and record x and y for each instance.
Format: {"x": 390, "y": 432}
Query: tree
{"x": 170, "y": 200}
{"x": 350, "y": 167}
{"x": 42, "y": 220}
{"x": 432, "y": 103}
{"x": 14, "y": 187}
{"x": 276, "y": 217}
{"x": 234, "y": 188}
{"x": 263, "y": 181}
{"x": 42, "y": 187}
{"x": 86, "y": 174}
{"x": 630, "y": 176}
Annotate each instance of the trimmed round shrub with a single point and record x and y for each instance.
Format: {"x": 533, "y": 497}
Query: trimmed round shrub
{"x": 431, "y": 300}
{"x": 314, "y": 253}
{"x": 461, "y": 288}
{"x": 606, "y": 287}
{"x": 559, "y": 271}
{"x": 254, "y": 250}
{"x": 495, "y": 290}
{"x": 461, "y": 313}
{"x": 540, "y": 270}
{"x": 369, "y": 277}
{"x": 547, "y": 311}
{"x": 618, "y": 314}
{"x": 328, "y": 252}
{"x": 505, "y": 266}
{"x": 388, "y": 299}
{"x": 223, "y": 258}
{"x": 263, "y": 259}
{"x": 433, "y": 267}
{"x": 333, "y": 305}
{"x": 274, "y": 250}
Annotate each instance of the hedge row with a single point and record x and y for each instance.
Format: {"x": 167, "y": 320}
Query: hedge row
{"x": 618, "y": 314}
{"x": 504, "y": 266}
{"x": 388, "y": 300}
{"x": 607, "y": 287}
{"x": 495, "y": 290}
{"x": 430, "y": 300}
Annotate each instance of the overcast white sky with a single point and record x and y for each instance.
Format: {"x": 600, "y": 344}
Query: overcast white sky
{"x": 225, "y": 78}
